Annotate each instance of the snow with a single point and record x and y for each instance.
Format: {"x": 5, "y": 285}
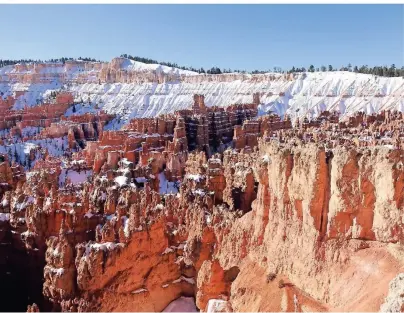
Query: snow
{"x": 126, "y": 163}
{"x": 126, "y": 226}
{"x": 55, "y": 146}
{"x": 4, "y": 217}
{"x": 79, "y": 177}
{"x": 295, "y": 302}
{"x": 82, "y": 108}
{"x": 78, "y": 162}
{"x": 121, "y": 180}
{"x": 200, "y": 192}
{"x": 27, "y": 233}
{"x": 394, "y": 300}
{"x": 30, "y": 131}
{"x": 106, "y": 246}
{"x": 56, "y": 252}
{"x": 22, "y": 205}
{"x": 29, "y": 175}
{"x": 196, "y": 177}
{"x": 131, "y": 65}
{"x": 141, "y": 290}
{"x": 141, "y": 179}
{"x": 216, "y": 161}
{"x": 74, "y": 177}
{"x": 103, "y": 195}
{"x": 266, "y": 158}
{"x": 208, "y": 219}
{"x": 182, "y": 304}
{"x": 57, "y": 271}
{"x": 89, "y": 215}
{"x": 307, "y": 95}
{"x": 166, "y": 187}
{"x": 216, "y": 305}
{"x": 19, "y": 151}
{"x": 158, "y": 207}
{"x": 48, "y": 201}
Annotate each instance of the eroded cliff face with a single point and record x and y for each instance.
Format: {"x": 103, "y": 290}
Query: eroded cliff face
{"x": 307, "y": 227}
{"x": 242, "y": 214}
{"x": 322, "y": 232}
{"x": 134, "y": 89}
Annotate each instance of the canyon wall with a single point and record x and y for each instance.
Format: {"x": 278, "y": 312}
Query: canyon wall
{"x": 133, "y": 89}
{"x": 296, "y": 211}
{"x": 320, "y": 230}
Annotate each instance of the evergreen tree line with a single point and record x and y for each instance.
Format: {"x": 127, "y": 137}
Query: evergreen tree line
{"x": 385, "y": 71}
{"x": 59, "y": 60}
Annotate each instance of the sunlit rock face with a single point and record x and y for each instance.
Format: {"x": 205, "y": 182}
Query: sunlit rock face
{"x": 210, "y": 208}
{"x": 121, "y": 247}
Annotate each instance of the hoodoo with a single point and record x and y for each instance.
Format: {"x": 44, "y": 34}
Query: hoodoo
{"x": 127, "y": 186}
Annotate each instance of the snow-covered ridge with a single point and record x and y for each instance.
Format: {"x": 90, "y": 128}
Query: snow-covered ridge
{"x": 299, "y": 95}
{"x": 78, "y": 67}
{"x": 131, "y": 65}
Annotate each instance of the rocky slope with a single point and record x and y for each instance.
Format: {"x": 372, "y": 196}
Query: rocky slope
{"x": 208, "y": 208}
{"x": 133, "y": 89}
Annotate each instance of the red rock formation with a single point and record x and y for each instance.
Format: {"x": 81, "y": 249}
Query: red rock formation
{"x": 283, "y": 222}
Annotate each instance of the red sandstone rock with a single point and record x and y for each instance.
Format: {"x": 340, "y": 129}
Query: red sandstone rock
{"x": 285, "y": 222}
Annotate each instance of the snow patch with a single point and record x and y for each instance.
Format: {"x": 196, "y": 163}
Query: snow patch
{"x": 121, "y": 181}
{"x": 141, "y": 290}
{"x": 126, "y": 226}
{"x": 394, "y": 301}
{"x": 166, "y": 187}
{"x": 4, "y": 217}
{"x": 106, "y": 246}
{"x": 77, "y": 178}
{"x": 88, "y": 214}
{"x": 57, "y": 271}
{"x": 216, "y": 305}
{"x": 196, "y": 177}
{"x": 21, "y": 206}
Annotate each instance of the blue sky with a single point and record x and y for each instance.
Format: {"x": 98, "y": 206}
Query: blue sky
{"x": 229, "y": 36}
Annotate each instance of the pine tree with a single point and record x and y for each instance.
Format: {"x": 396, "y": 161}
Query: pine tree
{"x": 392, "y": 70}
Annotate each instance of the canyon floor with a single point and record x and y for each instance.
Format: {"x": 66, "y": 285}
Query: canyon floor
{"x": 130, "y": 187}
